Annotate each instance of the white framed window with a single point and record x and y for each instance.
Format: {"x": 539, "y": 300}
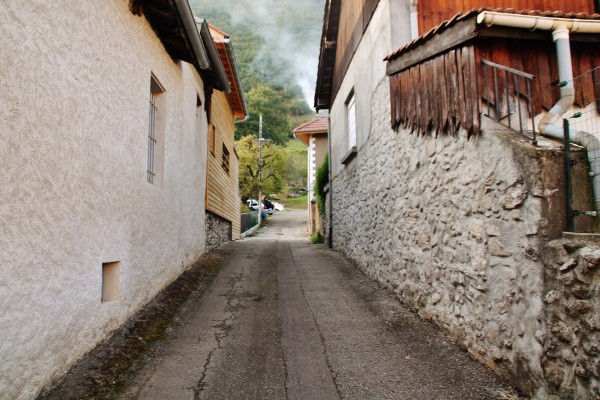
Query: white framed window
{"x": 351, "y": 120}
{"x": 156, "y": 132}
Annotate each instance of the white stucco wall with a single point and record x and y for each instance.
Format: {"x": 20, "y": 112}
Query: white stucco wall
{"x": 73, "y": 192}
{"x": 365, "y": 72}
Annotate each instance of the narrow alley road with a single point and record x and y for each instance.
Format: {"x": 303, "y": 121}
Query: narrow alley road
{"x": 286, "y": 319}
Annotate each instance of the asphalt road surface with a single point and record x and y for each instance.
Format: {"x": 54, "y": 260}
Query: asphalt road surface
{"x": 286, "y": 319}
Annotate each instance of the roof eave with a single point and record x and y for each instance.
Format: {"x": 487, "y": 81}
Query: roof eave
{"x": 327, "y": 54}
{"x": 173, "y": 23}
{"x": 216, "y": 73}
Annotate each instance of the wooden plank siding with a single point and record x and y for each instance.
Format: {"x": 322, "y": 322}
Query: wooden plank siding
{"x": 438, "y": 104}
{"x": 431, "y": 13}
{"x": 451, "y": 85}
{"x": 354, "y": 19}
{"x": 222, "y": 189}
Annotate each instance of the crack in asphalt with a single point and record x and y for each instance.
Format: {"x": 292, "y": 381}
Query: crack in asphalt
{"x": 222, "y": 330}
{"x": 321, "y": 337}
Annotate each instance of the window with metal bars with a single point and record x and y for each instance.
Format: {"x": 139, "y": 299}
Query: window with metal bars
{"x": 212, "y": 137}
{"x": 351, "y": 120}
{"x": 225, "y": 163}
{"x": 155, "y": 132}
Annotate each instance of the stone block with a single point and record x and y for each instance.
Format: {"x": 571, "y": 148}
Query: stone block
{"x": 552, "y": 296}
{"x": 514, "y": 197}
{"x": 590, "y": 260}
{"x": 578, "y": 307}
{"x": 494, "y": 229}
{"x": 581, "y": 291}
{"x": 567, "y": 265}
{"x": 562, "y": 332}
{"x": 554, "y": 373}
{"x": 477, "y": 230}
{"x": 496, "y": 248}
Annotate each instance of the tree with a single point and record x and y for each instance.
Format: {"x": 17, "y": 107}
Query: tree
{"x": 265, "y": 100}
{"x": 321, "y": 180}
{"x": 273, "y": 170}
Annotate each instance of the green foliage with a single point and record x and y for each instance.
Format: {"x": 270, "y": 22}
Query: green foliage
{"x": 273, "y": 170}
{"x": 317, "y": 238}
{"x": 271, "y": 39}
{"x": 297, "y": 169}
{"x": 265, "y": 100}
{"x": 321, "y": 180}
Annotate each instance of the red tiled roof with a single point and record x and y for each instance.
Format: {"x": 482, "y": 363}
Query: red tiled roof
{"x": 319, "y": 124}
{"x": 464, "y": 15}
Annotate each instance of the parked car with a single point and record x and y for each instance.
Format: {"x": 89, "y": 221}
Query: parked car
{"x": 252, "y": 204}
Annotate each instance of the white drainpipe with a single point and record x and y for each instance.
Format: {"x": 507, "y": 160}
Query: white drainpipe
{"x": 560, "y": 28}
{"x": 414, "y": 21}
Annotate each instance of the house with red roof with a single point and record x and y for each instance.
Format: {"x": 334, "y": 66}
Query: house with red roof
{"x": 222, "y": 200}
{"x": 448, "y": 173}
{"x": 314, "y": 135}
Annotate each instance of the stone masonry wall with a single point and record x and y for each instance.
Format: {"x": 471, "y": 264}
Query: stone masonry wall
{"x": 218, "y": 231}
{"x": 571, "y": 360}
{"x": 455, "y": 227}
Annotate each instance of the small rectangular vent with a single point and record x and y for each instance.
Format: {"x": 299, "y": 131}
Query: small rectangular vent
{"x": 110, "y": 281}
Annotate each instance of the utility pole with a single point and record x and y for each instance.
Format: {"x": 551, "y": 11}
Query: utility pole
{"x": 260, "y": 164}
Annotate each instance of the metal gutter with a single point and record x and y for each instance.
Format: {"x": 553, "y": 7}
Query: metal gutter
{"x": 534, "y": 22}
{"x": 238, "y": 83}
{"x": 329, "y": 173}
{"x": 187, "y": 18}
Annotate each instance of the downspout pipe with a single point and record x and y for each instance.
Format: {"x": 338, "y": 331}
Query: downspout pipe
{"x": 330, "y": 178}
{"x": 560, "y": 28}
{"x": 187, "y": 18}
{"x": 414, "y": 20}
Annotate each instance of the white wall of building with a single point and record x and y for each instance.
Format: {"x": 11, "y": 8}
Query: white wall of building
{"x": 73, "y": 191}
{"x": 312, "y": 168}
{"x": 365, "y": 72}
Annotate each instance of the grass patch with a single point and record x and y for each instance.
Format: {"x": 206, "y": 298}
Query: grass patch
{"x": 296, "y": 146}
{"x": 299, "y": 203}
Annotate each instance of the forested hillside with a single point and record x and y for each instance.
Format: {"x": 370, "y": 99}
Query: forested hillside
{"x": 276, "y": 43}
